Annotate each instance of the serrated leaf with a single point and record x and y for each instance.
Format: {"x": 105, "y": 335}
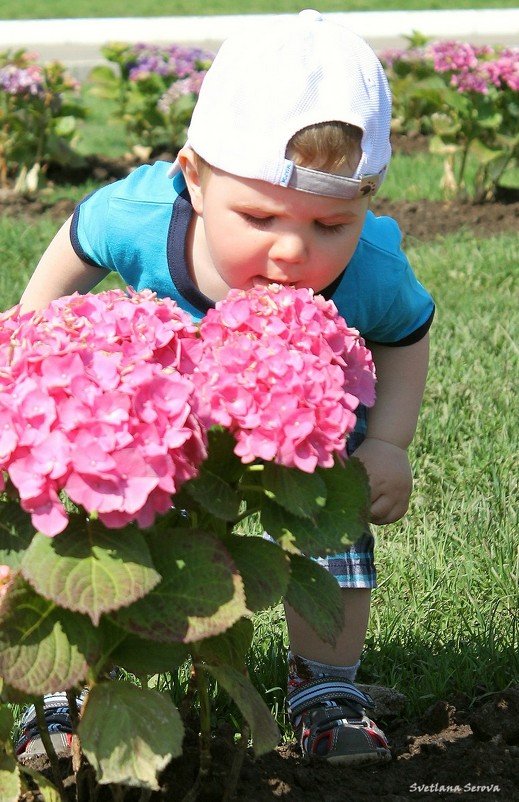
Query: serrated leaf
{"x": 302, "y": 494}
{"x": 230, "y": 648}
{"x": 201, "y": 593}
{"x": 10, "y": 784}
{"x": 348, "y": 501}
{"x": 264, "y": 731}
{"x": 339, "y": 524}
{"x": 264, "y": 569}
{"x": 315, "y": 594}
{"x": 16, "y": 533}
{"x": 90, "y": 569}
{"x": 215, "y": 495}
{"x": 129, "y": 734}
{"x": 43, "y": 648}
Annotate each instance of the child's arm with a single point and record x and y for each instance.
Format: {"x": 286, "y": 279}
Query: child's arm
{"x": 59, "y": 272}
{"x": 401, "y": 375}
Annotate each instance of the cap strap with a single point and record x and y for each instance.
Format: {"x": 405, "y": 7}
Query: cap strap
{"x": 336, "y": 186}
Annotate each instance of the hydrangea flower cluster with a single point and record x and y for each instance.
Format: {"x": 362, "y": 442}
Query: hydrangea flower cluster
{"x": 94, "y": 402}
{"x": 174, "y": 61}
{"x": 107, "y": 398}
{"x": 283, "y": 372}
{"x": 21, "y": 80}
{"x": 182, "y": 88}
{"x": 470, "y": 68}
{"x": 475, "y": 69}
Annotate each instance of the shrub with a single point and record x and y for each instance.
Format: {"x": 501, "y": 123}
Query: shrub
{"x": 156, "y": 89}
{"x": 39, "y": 108}
{"x": 134, "y": 447}
{"x": 467, "y": 99}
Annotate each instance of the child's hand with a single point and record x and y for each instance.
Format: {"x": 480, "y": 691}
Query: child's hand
{"x": 390, "y": 478}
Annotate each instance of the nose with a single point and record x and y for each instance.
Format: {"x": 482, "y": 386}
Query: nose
{"x": 289, "y": 247}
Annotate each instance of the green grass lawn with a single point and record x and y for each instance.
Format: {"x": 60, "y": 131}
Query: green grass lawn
{"x": 49, "y": 9}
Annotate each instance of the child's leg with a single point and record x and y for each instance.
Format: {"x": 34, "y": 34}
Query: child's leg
{"x": 326, "y": 710}
{"x": 350, "y": 642}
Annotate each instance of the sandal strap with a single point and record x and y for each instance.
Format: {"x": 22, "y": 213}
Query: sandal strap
{"x": 321, "y": 718}
{"x": 330, "y": 689}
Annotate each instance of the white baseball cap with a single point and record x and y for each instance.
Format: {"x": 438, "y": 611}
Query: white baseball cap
{"x": 297, "y": 71}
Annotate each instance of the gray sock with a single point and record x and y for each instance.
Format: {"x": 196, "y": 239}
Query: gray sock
{"x": 301, "y": 669}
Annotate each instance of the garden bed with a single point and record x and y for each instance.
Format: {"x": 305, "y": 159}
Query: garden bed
{"x": 450, "y": 751}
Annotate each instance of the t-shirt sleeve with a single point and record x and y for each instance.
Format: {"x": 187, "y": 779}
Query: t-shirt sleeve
{"x": 379, "y": 294}
{"x": 90, "y": 229}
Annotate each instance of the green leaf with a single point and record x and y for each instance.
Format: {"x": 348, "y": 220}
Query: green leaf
{"x": 129, "y": 734}
{"x": 264, "y": 731}
{"x": 230, "y": 648}
{"x": 104, "y": 74}
{"x": 264, "y": 569}
{"x": 144, "y": 656}
{"x": 214, "y": 494}
{"x": 90, "y": 569}
{"x": 48, "y": 791}
{"x": 303, "y": 494}
{"x": 209, "y": 489}
{"x": 315, "y": 594}
{"x": 221, "y": 458}
{"x": 348, "y": 501}
{"x": 10, "y": 784}
{"x": 16, "y": 533}
{"x": 201, "y": 593}
{"x": 340, "y": 523}
{"x": 65, "y": 126}
{"x": 43, "y": 648}
{"x": 6, "y": 725}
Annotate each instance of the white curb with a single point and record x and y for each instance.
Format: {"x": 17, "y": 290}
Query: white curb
{"x": 372, "y": 25}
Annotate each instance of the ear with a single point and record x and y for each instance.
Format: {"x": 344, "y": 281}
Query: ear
{"x": 188, "y": 164}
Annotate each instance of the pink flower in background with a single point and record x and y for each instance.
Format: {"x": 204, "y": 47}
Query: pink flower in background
{"x": 280, "y": 368}
{"x": 93, "y": 402}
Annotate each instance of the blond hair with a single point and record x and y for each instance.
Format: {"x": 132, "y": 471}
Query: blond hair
{"x": 331, "y": 147}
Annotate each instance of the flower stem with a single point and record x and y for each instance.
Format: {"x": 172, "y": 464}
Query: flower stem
{"x": 76, "y": 746}
{"x": 234, "y": 775}
{"x": 49, "y": 748}
{"x": 205, "y": 733}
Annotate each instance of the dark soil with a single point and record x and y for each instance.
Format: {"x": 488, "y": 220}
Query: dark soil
{"x": 450, "y": 752}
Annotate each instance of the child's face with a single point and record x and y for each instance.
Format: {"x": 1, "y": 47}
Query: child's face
{"x": 252, "y": 233}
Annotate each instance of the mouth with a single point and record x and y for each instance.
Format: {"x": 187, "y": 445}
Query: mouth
{"x": 261, "y": 281}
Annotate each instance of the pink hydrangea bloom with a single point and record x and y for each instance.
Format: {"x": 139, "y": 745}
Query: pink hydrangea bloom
{"x": 94, "y": 401}
{"x": 281, "y": 369}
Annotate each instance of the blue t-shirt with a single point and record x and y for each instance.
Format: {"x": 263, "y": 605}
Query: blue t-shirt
{"x": 138, "y": 227}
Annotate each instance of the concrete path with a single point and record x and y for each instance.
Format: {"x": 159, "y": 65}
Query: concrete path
{"x": 76, "y": 42}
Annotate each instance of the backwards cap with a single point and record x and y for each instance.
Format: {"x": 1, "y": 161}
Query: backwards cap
{"x": 297, "y": 71}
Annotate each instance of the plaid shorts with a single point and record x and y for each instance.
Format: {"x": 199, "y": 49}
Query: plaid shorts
{"x": 354, "y": 567}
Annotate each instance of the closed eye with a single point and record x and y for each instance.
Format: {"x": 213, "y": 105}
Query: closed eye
{"x": 258, "y": 222}
{"x": 334, "y": 228}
